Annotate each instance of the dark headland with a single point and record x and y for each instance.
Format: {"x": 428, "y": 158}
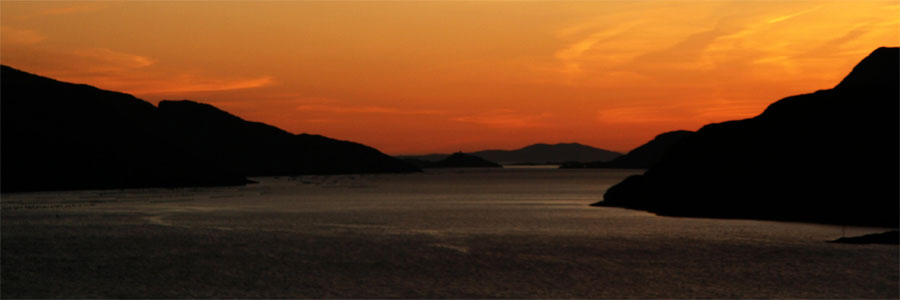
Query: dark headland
{"x": 641, "y": 157}
{"x": 826, "y": 157}
{"x": 63, "y": 136}
{"x": 887, "y": 238}
{"x": 258, "y": 149}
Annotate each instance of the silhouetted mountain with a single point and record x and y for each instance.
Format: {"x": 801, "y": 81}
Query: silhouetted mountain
{"x": 641, "y": 157}
{"x": 58, "y": 136}
{"x": 257, "y": 149}
{"x": 462, "y": 160}
{"x": 537, "y": 153}
{"x": 549, "y": 153}
{"x": 826, "y": 157}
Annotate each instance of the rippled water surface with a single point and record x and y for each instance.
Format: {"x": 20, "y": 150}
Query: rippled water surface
{"x": 476, "y": 233}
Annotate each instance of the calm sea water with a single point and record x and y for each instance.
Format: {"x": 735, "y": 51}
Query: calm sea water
{"x": 456, "y": 233}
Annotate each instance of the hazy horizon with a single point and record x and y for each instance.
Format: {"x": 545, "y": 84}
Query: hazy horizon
{"x": 510, "y": 148}
{"x": 438, "y": 77}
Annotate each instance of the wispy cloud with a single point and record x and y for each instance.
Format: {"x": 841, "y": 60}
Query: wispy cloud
{"x": 188, "y": 83}
{"x": 75, "y": 62}
{"x": 503, "y": 118}
{"x": 112, "y": 60}
{"x": 701, "y": 111}
{"x": 574, "y": 54}
{"x": 65, "y": 10}
{"x": 367, "y": 109}
{"x": 638, "y": 114}
{"x": 742, "y": 42}
{"x": 10, "y": 36}
{"x": 315, "y": 121}
{"x": 115, "y": 70}
{"x": 789, "y": 16}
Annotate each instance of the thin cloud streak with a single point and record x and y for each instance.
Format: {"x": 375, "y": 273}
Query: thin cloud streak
{"x": 783, "y": 18}
{"x": 506, "y": 119}
{"x": 367, "y": 110}
{"x": 66, "y": 10}
{"x": 10, "y": 36}
{"x": 122, "y": 71}
{"x": 110, "y": 59}
{"x": 192, "y": 84}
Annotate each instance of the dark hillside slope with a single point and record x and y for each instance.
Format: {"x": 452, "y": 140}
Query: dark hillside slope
{"x": 255, "y": 149}
{"x": 58, "y": 135}
{"x": 832, "y": 156}
{"x": 641, "y": 157}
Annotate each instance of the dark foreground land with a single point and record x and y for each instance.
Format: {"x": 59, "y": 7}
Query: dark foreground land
{"x": 65, "y": 136}
{"x": 490, "y": 234}
{"x": 826, "y": 157}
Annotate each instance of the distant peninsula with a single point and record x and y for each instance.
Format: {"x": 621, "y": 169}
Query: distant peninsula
{"x": 457, "y": 160}
{"x": 641, "y": 157}
{"x": 826, "y": 157}
{"x": 64, "y": 136}
{"x": 886, "y": 238}
{"x": 534, "y": 154}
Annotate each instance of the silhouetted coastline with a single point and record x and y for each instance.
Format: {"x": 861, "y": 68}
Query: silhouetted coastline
{"x": 258, "y": 149}
{"x": 886, "y": 238}
{"x": 641, "y": 157}
{"x": 826, "y": 157}
{"x": 64, "y": 136}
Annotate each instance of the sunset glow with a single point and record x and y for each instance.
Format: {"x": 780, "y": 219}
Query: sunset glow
{"x": 423, "y": 77}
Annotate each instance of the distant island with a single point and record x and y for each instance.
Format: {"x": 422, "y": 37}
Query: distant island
{"x": 462, "y": 160}
{"x": 63, "y": 136}
{"x": 641, "y": 157}
{"x": 534, "y": 154}
{"x": 831, "y": 156}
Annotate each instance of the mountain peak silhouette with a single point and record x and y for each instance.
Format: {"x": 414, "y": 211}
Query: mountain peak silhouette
{"x": 878, "y": 70}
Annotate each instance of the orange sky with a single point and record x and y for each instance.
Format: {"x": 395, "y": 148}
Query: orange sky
{"x": 421, "y": 77}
